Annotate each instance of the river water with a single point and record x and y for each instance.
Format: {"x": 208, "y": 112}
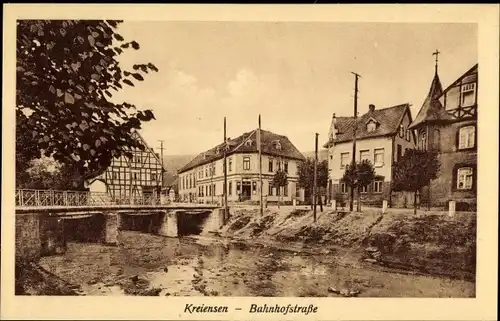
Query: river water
{"x": 145, "y": 264}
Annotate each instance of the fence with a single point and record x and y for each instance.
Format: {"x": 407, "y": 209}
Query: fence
{"x": 29, "y": 197}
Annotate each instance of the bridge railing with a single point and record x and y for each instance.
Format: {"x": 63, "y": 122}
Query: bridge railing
{"x": 32, "y": 198}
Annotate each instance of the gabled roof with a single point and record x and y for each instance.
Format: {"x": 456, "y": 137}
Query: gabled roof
{"x": 431, "y": 108}
{"x": 472, "y": 70}
{"x": 239, "y": 145}
{"x": 388, "y": 120}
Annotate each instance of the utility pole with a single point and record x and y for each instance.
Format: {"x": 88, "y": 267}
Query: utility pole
{"x": 162, "y": 169}
{"x": 226, "y": 213}
{"x": 260, "y": 169}
{"x": 315, "y": 181}
{"x": 351, "y": 204}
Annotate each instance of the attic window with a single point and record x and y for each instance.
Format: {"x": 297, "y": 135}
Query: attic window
{"x": 217, "y": 151}
{"x": 248, "y": 142}
{"x": 371, "y": 126}
{"x": 277, "y": 144}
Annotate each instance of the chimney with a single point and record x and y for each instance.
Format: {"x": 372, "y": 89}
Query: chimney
{"x": 371, "y": 107}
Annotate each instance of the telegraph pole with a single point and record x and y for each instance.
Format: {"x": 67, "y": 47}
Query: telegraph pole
{"x": 260, "y": 169}
{"x": 315, "y": 181}
{"x": 162, "y": 168}
{"x": 226, "y": 213}
{"x": 351, "y": 204}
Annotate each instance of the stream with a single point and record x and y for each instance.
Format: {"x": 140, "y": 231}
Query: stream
{"x": 146, "y": 264}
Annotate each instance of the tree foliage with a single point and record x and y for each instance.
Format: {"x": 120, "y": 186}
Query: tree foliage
{"x": 280, "y": 179}
{"x": 414, "y": 170}
{"x": 306, "y": 174}
{"x": 360, "y": 175}
{"x": 67, "y": 71}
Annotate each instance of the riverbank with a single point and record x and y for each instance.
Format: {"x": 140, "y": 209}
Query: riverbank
{"x": 428, "y": 243}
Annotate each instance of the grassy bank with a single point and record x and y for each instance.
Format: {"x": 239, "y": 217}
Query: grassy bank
{"x": 429, "y": 242}
{"x": 31, "y": 279}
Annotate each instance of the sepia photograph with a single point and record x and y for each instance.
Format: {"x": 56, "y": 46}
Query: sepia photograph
{"x": 292, "y": 159}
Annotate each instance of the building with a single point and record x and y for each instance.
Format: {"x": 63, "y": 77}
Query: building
{"x": 202, "y": 179}
{"x": 447, "y": 124}
{"x": 382, "y": 136}
{"x": 140, "y": 176}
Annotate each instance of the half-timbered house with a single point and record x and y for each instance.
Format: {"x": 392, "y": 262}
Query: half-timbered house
{"x": 447, "y": 124}
{"x": 136, "y": 178}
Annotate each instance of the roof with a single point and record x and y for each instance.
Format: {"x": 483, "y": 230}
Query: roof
{"x": 247, "y": 143}
{"x": 134, "y": 134}
{"x": 431, "y": 108}
{"x": 388, "y": 120}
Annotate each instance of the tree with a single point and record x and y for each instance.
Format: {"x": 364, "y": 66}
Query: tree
{"x": 358, "y": 176}
{"x": 66, "y": 72}
{"x": 414, "y": 170}
{"x": 280, "y": 179}
{"x": 306, "y": 176}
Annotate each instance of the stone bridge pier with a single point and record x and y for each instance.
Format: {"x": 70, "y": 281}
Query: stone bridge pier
{"x": 45, "y": 231}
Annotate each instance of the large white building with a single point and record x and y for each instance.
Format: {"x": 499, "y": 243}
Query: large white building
{"x": 202, "y": 179}
{"x": 382, "y": 136}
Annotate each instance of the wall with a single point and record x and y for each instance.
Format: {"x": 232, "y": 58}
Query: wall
{"x": 28, "y": 243}
{"x": 443, "y": 188}
{"x": 336, "y": 172}
{"x": 398, "y": 140}
{"x": 235, "y": 173}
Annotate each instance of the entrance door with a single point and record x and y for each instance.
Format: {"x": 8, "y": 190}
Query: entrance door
{"x": 246, "y": 191}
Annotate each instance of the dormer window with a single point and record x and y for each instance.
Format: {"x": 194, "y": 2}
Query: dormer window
{"x": 277, "y": 144}
{"x": 248, "y": 142}
{"x": 371, "y": 126}
{"x": 217, "y": 151}
{"x": 401, "y": 131}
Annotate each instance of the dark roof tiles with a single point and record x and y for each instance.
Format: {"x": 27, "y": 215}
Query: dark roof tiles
{"x": 388, "y": 120}
{"x": 247, "y": 143}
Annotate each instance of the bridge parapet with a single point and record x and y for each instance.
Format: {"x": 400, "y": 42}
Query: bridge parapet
{"x": 32, "y": 197}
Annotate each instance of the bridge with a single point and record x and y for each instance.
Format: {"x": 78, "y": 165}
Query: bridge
{"x": 47, "y": 219}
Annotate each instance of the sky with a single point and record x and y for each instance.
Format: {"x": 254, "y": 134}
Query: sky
{"x": 295, "y": 74}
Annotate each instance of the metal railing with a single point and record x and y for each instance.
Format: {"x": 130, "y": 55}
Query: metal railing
{"x": 33, "y": 198}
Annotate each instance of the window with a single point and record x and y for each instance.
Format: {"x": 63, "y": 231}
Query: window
{"x": 270, "y": 191}
{"x": 135, "y": 175}
{"x": 254, "y": 187}
{"x": 371, "y": 126}
{"x": 464, "y": 178}
{"x": 401, "y": 131}
{"x": 379, "y": 157}
{"x": 408, "y": 135}
{"x": 238, "y": 187}
{"x": 285, "y": 165}
{"x": 230, "y": 165}
{"x": 277, "y": 145}
{"x": 399, "y": 152}
{"x": 115, "y": 175}
{"x": 285, "y": 190}
{"x": 364, "y": 155}
{"x": 422, "y": 143}
{"x": 213, "y": 169}
{"x": 436, "y": 139}
{"x": 343, "y": 188}
{"x": 206, "y": 171}
{"x": 271, "y": 161}
{"x": 466, "y": 137}
{"x": 230, "y": 188}
{"x": 344, "y": 159}
{"x": 214, "y": 190}
{"x": 363, "y": 189}
{"x": 377, "y": 187}
{"x": 468, "y": 95}
{"x": 206, "y": 191}
{"x": 153, "y": 176}
{"x": 246, "y": 163}
{"x": 278, "y": 163}
{"x": 248, "y": 142}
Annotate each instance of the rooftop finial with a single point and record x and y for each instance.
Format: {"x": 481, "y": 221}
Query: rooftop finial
{"x": 436, "y": 53}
